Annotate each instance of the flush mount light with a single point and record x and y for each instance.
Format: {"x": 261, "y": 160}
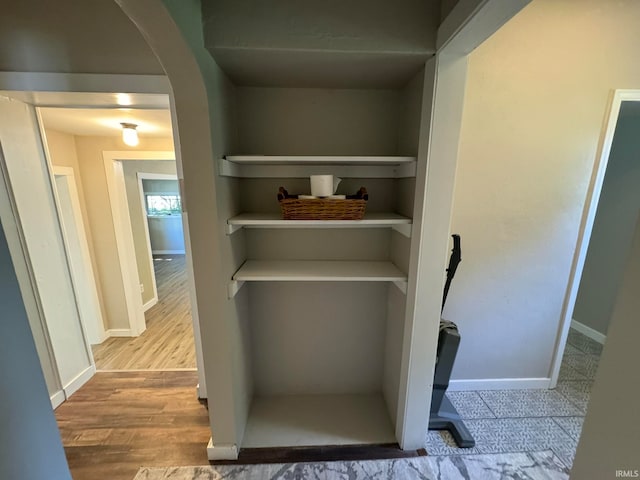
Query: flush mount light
{"x": 130, "y": 134}
{"x": 124, "y": 99}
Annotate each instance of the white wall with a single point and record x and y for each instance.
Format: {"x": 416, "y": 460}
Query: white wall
{"x": 28, "y": 423}
{"x": 613, "y": 226}
{"x": 610, "y": 435}
{"x": 536, "y": 96}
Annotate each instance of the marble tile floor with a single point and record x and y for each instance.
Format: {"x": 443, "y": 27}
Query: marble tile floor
{"x": 531, "y": 465}
{"x": 529, "y": 434}
{"x": 509, "y": 421}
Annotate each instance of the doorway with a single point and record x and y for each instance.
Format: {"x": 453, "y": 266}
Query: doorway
{"x": 606, "y": 231}
{"x": 155, "y": 333}
{"x": 77, "y": 247}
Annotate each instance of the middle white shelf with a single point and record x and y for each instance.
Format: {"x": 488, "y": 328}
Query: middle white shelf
{"x": 398, "y": 222}
{"x": 317, "y": 271}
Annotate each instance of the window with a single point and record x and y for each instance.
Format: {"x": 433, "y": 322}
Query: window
{"x": 163, "y": 204}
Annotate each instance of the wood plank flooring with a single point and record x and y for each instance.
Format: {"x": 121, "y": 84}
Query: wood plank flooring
{"x": 167, "y": 343}
{"x": 118, "y": 422}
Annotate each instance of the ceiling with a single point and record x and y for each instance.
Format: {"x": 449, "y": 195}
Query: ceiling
{"x": 106, "y": 122}
{"x": 91, "y": 100}
{"x": 100, "y": 113}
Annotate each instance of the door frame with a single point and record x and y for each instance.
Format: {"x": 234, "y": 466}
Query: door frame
{"x": 26, "y": 278}
{"x": 124, "y": 239}
{"x": 90, "y": 312}
{"x": 586, "y": 225}
{"x": 110, "y": 83}
{"x": 143, "y": 205}
{"x": 122, "y": 226}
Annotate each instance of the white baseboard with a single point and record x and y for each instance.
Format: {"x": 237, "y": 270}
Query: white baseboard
{"x": 57, "y": 399}
{"x": 202, "y": 393}
{"x": 80, "y": 379}
{"x": 499, "y": 384}
{"x": 120, "y": 332}
{"x": 149, "y": 304}
{"x": 221, "y": 452}
{"x": 168, "y": 252}
{"x": 588, "y": 331}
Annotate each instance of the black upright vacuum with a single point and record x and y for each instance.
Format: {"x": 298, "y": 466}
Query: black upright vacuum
{"x": 444, "y": 415}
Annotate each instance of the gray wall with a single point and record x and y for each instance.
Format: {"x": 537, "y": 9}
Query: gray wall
{"x": 166, "y": 234}
{"x": 210, "y": 201}
{"x": 161, "y": 186}
{"x": 613, "y": 226}
{"x": 610, "y": 435}
{"x": 330, "y": 43}
{"x": 75, "y": 36}
{"x": 131, "y": 169}
{"x": 30, "y": 445}
{"x": 313, "y": 121}
{"x": 326, "y": 338}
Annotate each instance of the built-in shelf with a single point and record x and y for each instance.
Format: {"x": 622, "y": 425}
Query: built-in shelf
{"x": 298, "y": 166}
{"x": 274, "y": 220}
{"x": 318, "y": 420}
{"x": 317, "y": 271}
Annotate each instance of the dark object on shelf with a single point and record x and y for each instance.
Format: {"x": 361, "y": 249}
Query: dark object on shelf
{"x": 351, "y": 208}
{"x": 444, "y": 415}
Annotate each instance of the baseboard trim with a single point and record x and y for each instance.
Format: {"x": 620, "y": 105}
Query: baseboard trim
{"x": 57, "y": 399}
{"x": 588, "y": 331}
{"x": 80, "y": 379}
{"x": 120, "y": 332}
{"x": 167, "y": 252}
{"x": 149, "y": 304}
{"x": 499, "y": 384}
{"x": 222, "y": 452}
{"x": 202, "y": 393}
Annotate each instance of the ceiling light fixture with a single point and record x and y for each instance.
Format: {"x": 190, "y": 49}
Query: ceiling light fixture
{"x": 130, "y": 134}
{"x": 124, "y": 99}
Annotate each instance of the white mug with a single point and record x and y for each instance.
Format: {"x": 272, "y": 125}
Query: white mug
{"x": 324, "y": 185}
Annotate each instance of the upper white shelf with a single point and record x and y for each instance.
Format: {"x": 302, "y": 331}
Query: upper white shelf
{"x": 274, "y": 220}
{"x": 319, "y": 270}
{"x": 297, "y": 166}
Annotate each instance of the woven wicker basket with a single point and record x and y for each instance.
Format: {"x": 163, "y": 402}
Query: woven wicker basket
{"x": 294, "y": 208}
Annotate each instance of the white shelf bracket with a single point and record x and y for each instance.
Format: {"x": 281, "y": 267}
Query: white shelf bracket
{"x": 402, "y": 286}
{"x": 234, "y": 287}
{"x": 406, "y": 170}
{"x": 227, "y": 168}
{"x": 231, "y": 229}
{"x": 403, "y": 229}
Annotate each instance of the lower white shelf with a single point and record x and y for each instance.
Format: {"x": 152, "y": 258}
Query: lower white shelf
{"x": 319, "y": 270}
{"x": 312, "y": 420}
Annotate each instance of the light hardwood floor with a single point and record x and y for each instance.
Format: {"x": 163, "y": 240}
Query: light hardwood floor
{"x": 118, "y": 422}
{"x": 167, "y": 343}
